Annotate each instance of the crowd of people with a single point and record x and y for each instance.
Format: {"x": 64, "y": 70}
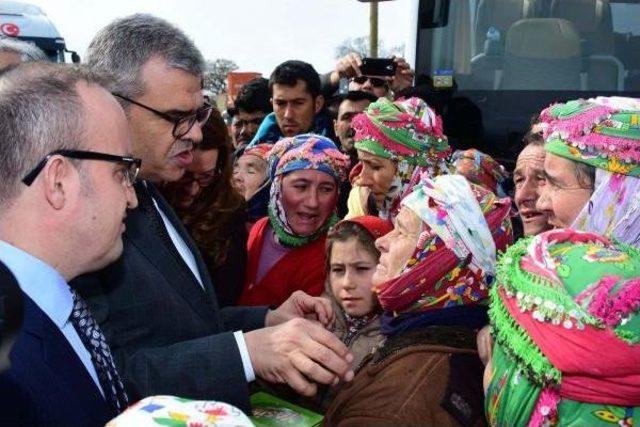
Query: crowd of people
{"x": 335, "y": 249}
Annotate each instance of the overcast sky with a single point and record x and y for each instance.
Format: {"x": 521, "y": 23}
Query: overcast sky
{"x": 256, "y": 34}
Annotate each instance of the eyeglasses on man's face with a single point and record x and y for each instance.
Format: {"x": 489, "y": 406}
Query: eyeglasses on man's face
{"x": 182, "y": 123}
{"x": 130, "y": 173}
{"x": 375, "y": 81}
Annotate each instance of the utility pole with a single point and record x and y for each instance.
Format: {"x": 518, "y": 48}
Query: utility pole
{"x": 373, "y": 26}
{"x": 373, "y": 29}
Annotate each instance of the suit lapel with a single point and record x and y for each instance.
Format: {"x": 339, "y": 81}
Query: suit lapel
{"x": 140, "y": 232}
{"x": 182, "y": 231}
{"x": 58, "y": 354}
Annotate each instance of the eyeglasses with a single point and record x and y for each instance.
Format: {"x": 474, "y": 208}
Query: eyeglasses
{"x": 375, "y": 81}
{"x": 204, "y": 179}
{"x": 130, "y": 174}
{"x": 182, "y": 123}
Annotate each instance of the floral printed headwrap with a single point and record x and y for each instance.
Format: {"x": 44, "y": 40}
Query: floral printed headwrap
{"x": 454, "y": 260}
{"x": 607, "y": 136}
{"x": 301, "y": 152}
{"x": 259, "y": 150}
{"x": 481, "y": 169}
{"x": 408, "y": 132}
{"x": 564, "y": 315}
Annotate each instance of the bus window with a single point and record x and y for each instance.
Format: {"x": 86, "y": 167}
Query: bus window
{"x": 575, "y": 45}
{"x": 505, "y": 60}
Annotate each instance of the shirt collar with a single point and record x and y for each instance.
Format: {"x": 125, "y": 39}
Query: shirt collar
{"x": 40, "y": 282}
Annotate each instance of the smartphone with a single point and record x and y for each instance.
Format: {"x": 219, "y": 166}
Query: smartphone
{"x": 378, "y": 67}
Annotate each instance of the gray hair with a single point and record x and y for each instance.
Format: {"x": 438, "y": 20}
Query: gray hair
{"x": 124, "y": 46}
{"x": 585, "y": 174}
{"x": 40, "y": 111}
{"x": 27, "y": 51}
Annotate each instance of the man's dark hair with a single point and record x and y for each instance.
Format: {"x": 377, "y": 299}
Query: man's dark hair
{"x": 254, "y": 96}
{"x": 333, "y": 105}
{"x": 359, "y": 95}
{"x": 289, "y": 72}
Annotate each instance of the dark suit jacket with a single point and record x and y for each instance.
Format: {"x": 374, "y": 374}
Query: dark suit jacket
{"x": 47, "y": 384}
{"x": 166, "y": 332}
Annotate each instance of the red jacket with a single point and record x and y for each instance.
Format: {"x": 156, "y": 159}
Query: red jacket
{"x": 302, "y": 268}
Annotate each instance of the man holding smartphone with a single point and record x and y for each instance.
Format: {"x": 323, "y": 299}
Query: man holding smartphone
{"x": 354, "y": 68}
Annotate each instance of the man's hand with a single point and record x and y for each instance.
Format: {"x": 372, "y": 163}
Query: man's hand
{"x": 348, "y": 66}
{"x": 302, "y": 305}
{"x": 404, "y": 75}
{"x": 299, "y": 353}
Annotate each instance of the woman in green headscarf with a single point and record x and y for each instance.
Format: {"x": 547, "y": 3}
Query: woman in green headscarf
{"x": 392, "y": 139}
{"x": 565, "y": 320}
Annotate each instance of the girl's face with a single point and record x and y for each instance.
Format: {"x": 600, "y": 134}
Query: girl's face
{"x": 350, "y": 270}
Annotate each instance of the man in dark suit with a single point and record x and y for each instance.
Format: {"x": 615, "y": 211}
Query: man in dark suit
{"x": 66, "y": 182}
{"x": 157, "y": 304}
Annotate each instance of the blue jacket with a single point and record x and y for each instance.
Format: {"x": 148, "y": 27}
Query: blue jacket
{"x": 269, "y": 131}
{"x": 47, "y": 384}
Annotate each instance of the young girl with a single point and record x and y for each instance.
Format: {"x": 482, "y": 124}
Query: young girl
{"x": 351, "y": 260}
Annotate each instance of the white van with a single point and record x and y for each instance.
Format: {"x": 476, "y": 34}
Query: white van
{"x": 29, "y": 23}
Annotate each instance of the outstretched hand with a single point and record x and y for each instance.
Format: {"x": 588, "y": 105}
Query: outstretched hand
{"x": 302, "y": 305}
{"x": 299, "y": 353}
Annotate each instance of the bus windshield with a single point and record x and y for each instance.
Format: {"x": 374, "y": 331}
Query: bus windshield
{"x": 574, "y": 45}
{"x": 493, "y": 64}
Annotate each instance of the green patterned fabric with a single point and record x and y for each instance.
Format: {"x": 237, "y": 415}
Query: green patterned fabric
{"x": 562, "y": 280}
{"x": 407, "y": 130}
{"x": 599, "y": 135}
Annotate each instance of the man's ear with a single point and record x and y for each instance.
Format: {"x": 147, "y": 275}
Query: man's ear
{"x": 56, "y": 181}
{"x": 319, "y": 103}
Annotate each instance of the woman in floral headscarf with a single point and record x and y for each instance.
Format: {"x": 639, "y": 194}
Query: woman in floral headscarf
{"x": 564, "y": 314}
{"x": 432, "y": 280}
{"x": 286, "y": 249}
{"x": 392, "y": 139}
{"x": 601, "y": 137}
{"x": 480, "y": 169}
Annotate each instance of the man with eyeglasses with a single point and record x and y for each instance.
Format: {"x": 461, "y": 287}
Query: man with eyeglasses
{"x": 66, "y": 185}
{"x": 157, "y": 304}
{"x": 348, "y": 67}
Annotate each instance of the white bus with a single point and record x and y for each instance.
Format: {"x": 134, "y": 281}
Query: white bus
{"x": 29, "y": 23}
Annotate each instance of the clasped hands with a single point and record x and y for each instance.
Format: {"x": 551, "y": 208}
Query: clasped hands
{"x": 295, "y": 347}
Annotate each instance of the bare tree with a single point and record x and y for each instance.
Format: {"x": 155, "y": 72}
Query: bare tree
{"x": 215, "y": 76}
{"x": 360, "y": 45}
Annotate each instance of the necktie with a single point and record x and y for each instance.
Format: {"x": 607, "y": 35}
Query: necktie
{"x": 94, "y": 341}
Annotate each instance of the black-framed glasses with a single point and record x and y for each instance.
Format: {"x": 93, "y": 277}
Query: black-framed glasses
{"x": 182, "y": 123}
{"x": 203, "y": 179}
{"x": 375, "y": 81}
{"x": 130, "y": 173}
